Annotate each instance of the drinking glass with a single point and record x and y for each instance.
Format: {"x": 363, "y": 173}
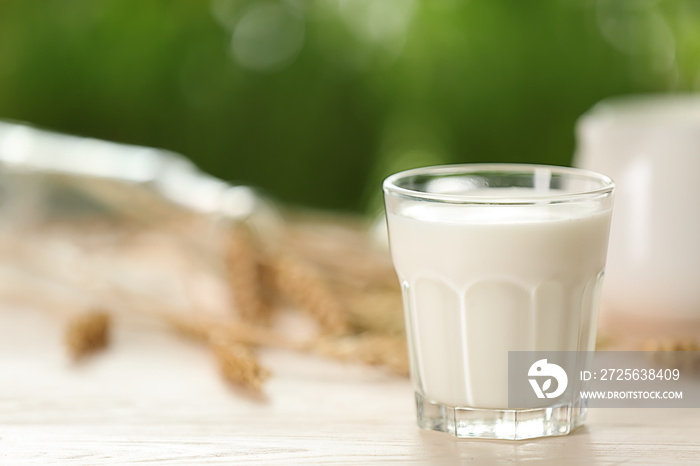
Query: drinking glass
{"x": 495, "y": 258}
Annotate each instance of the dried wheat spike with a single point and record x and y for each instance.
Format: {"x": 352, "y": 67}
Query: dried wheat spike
{"x": 228, "y": 341}
{"x": 190, "y": 327}
{"x": 675, "y": 352}
{"x": 87, "y": 333}
{"x": 603, "y": 341}
{"x": 205, "y": 329}
{"x": 344, "y": 251}
{"x": 375, "y": 350}
{"x": 243, "y": 260}
{"x": 672, "y": 344}
{"x": 303, "y": 287}
{"x": 379, "y": 311}
{"x": 239, "y": 365}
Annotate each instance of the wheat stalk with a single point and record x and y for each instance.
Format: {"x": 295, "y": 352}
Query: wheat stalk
{"x": 244, "y": 266}
{"x": 87, "y": 333}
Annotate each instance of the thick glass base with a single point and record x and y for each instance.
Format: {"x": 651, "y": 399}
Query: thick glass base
{"x": 508, "y": 424}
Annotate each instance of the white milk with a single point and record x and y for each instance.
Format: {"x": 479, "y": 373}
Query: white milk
{"x": 479, "y": 281}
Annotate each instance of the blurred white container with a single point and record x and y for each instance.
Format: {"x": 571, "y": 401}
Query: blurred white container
{"x": 650, "y": 146}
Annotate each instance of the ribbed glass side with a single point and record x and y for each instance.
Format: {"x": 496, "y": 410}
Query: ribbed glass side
{"x": 459, "y": 342}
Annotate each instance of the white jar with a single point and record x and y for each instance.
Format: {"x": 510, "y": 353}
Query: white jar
{"x": 650, "y": 146}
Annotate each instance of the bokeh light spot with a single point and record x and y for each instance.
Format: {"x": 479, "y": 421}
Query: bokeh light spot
{"x": 378, "y": 21}
{"x": 268, "y": 36}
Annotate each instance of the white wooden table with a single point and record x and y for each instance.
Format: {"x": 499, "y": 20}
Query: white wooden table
{"x": 157, "y": 399}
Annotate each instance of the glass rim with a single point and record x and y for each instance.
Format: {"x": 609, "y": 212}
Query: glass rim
{"x": 390, "y": 184}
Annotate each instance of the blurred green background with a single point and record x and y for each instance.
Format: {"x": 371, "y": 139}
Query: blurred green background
{"x": 316, "y": 101}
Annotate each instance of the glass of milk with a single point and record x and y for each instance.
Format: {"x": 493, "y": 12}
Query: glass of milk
{"x": 495, "y": 258}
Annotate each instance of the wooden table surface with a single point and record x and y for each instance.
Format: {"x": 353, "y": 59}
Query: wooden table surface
{"x": 157, "y": 399}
